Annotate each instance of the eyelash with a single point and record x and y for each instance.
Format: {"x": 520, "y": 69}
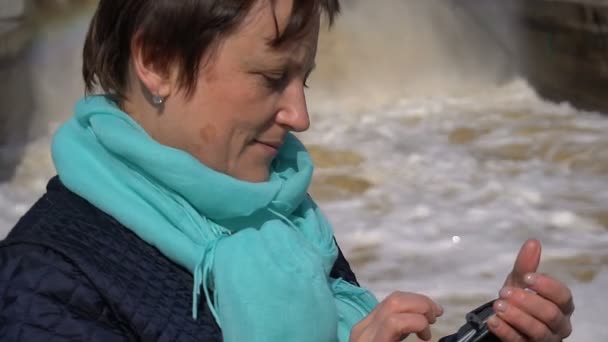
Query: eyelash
{"x": 279, "y": 83}
{"x": 276, "y": 83}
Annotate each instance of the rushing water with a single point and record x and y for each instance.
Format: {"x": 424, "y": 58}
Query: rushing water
{"x": 433, "y": 164}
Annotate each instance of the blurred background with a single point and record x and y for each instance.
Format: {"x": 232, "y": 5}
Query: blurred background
{"x": 445, "y": 133}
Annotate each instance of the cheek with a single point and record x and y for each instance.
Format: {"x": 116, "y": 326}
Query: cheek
{"x": 208, "y": 133}
{"x": 236, "y": 110}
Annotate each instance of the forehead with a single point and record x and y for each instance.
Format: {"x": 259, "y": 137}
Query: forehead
{"x": 268, "y": 19}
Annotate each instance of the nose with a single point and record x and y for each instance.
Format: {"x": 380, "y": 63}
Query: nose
{"x": 293, "y": 112}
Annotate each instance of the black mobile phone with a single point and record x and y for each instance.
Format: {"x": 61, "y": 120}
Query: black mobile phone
{"x": 475, "y": 329}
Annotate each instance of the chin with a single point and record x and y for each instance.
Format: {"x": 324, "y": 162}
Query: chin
{"x": 254, "y": 175}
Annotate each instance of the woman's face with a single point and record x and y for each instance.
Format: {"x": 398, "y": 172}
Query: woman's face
{"x": 248, "y": 96}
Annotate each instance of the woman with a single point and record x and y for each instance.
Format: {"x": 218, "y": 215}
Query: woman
{"x": 180, "y": 211}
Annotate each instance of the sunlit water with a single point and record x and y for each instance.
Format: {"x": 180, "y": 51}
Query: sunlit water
{"x": 433, "y": 166}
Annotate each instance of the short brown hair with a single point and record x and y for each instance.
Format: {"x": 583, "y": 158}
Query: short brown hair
{"x": 172, "y": 31}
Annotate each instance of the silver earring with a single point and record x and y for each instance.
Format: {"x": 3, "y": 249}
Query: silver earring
{"x": 158, "y": 100}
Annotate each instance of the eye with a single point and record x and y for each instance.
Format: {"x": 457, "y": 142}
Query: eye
{"x": 276, "y": 82}
{"x": 306, "y": 82}
{"x": 306, "y": 77}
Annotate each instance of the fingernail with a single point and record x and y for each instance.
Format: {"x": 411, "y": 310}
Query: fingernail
{"x": 530, "y": 278}
{"x": 493, "y": 322}
{"x": 505, "y": 292}
{"x": 501, "y": 306}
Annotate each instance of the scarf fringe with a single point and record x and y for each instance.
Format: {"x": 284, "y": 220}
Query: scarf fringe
{"x": 203, "y": 277}
{"x": 356, "y": 297}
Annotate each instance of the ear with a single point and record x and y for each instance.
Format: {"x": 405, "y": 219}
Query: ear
{"x": 156, "y": 80}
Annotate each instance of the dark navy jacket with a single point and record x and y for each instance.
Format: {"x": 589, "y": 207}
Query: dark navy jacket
{"x": 69, "y": 272}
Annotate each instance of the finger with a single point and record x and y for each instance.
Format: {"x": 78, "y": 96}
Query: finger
{"x": 397, "y": 326}
{"x": 503, "y": 330}
{"x": 438, "y": 309}
{"x": 526, "y": 262}
{"x": 536, "y": 306}
{"x": 425, "y": 334}
{"x": 543, "y": 310}
{"x": 551, "y": 289}
{"x": 405, "y": 302}
{"x": 524, "y": 323}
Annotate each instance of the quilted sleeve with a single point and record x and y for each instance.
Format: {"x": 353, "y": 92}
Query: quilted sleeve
{"x": 43, "y": 297}
{"x": 342, "y": 269}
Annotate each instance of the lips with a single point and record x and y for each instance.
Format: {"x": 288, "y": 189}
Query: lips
{"x": 274, "y": 144}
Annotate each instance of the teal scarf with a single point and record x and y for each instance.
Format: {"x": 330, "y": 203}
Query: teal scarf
{"x": 264, "y": 250}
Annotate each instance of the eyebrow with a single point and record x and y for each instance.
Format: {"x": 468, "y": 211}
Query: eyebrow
{"x": 288, "y": 62}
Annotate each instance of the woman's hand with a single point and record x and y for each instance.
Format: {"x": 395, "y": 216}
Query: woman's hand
{"x": 397, "y": 316}
{"x": 532, "y": 307}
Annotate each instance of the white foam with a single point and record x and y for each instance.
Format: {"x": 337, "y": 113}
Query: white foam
{"x": 459, "y": 216}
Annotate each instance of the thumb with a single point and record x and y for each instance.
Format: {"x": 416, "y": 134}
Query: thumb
{"x": 527, "y": 261}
